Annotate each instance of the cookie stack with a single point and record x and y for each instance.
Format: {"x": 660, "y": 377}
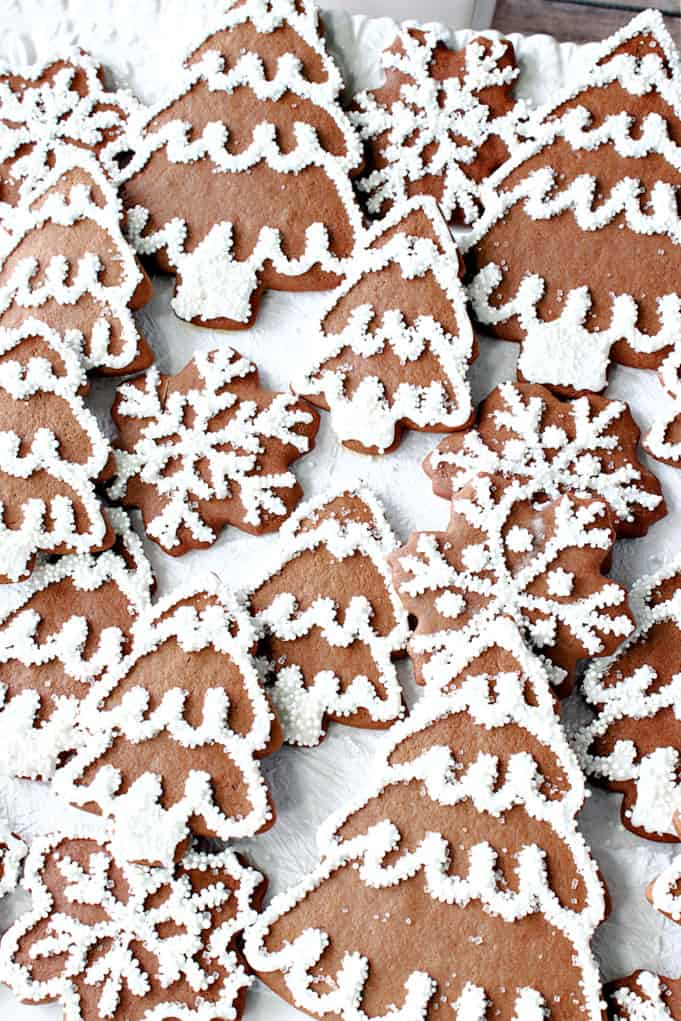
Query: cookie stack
{"x": 458, "y": 879}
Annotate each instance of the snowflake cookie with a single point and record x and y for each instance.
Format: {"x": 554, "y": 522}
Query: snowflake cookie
{"x": 239, "y": 181}
{"x": 393, "y": 346}
{"x": 51, "y": 452}
{"x": 511, "y": 550}
{"x": 12, "y": 853}
{"x": 577, "y": 253}
{"x": 440, "y": 124}
{"x": 330, "y": 620}
{"x": 644, "y": 996}
{"x": 632, "y": 746}
{"x": 68, "y": 623}
{"x": 68, "y": 264}
{"x": 42, "y": 109}
{"x": 174, "y": 731}
{"x": 586, "y": 446}
{"x": 208, "y": 447}
{"x": 106, "y": 939}
{"x": 462, "y": 850}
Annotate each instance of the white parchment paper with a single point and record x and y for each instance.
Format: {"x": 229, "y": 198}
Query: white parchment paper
{"x": 140, "y": 40}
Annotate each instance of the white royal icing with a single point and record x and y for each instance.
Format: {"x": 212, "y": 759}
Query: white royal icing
{"x": 654, "y": 775}
{"x": 212, "y": 284}
{"x": 31, "y": 750}
{"x": 664, "y": 891}
{"x": 582, "y": 465}
{"x": 448, "y": 784}
{"x": 302, "y": 707}
{"x": 646, "y": 1002}
{"x": 46, "y": 527}
{"x": 446, "y": 113}
{"x": 234, "y": 454}
{"x": 197, "y": 956}
{"x": 488, "y": 579}
{"x": 563, "y": 351}
{"x": 38, "y": 120}
{"x": 67, "y": 283}
{"x": 12, "y": 853}
{"x": 369, "y": 415}
{"x": 143, "y": 829}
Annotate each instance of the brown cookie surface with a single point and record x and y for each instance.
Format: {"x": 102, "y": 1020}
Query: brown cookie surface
{"x": 393, "y": 346}
{"x": 53, "y": 453}
{"x": 586, "y": 446}
{"x": 432, "y": 885}
{"x": 206, "y": 448}
{"x": 632, "y": 746}
{"x": 511, "y": 550}
{"x": 239, "y": 182}
{"x": 108, "y": 939}
{"x": 330, "y": 620}
{"x": 441, "y": 122}
{"x": 70, "y": 622}
{"x": 173, "y": 733}
{"x": 644, "y": 995}
{"x": 68, "y": 264}
{"x": 576, "y": 255}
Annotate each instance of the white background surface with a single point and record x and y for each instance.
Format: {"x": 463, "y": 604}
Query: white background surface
{"x": 139, "y": 40}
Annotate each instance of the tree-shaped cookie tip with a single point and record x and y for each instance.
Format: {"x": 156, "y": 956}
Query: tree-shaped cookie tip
{"x": 586, "y": 446}
{"x": 174, "y": 732}
{"x": 632, "y": 746}
{"x": 511, "y": 550}
{"x": 239, "y": 182}
{"x": 427, "y": 894}
{"x": 208, "y": 447}
{"x": 330, "y": 620}
{"x": 394, "y": 344}
{"x": 67, "y": 624}
{"x": 68, "y": 264}
{"x": 52, "y": 452}
{"x": 644, "y": 996}
{"x": 441, "y": 122}
{"x": 106, "y": 939}
{"x": 577, "y": 253}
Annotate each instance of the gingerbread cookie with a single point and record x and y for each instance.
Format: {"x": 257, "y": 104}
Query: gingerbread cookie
{"x": 644, "y": 996}
{"x": 462, "y": 852}
{"x": 106, "y": 939}
{"x": 68, "y": 264}
{"x": 440, "y": 124}
{"x": 71, "y": 621}
{"x": 206, "y": 448}
{"x": 52, "y": 452}
{"x": 511, "y": 550}
{"x": 330, "y": 620}
{"x": 12, "y": 853}
{"x": 586, "y": 446}
{"x": 239, "y": 181}
{"x": 173, "y": 733}
{"x": 577, "y": 253}
{"x": 632, "y": 746}
{"x": 394, "y": 344}
{"x": 43, "y": 108}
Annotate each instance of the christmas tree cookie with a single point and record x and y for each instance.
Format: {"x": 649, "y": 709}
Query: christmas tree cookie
{"x": 462, "y": 851}
{"x": 239, "y": 182}
{"x": 393, "y": 346}
{"x": 330, "y": 620}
